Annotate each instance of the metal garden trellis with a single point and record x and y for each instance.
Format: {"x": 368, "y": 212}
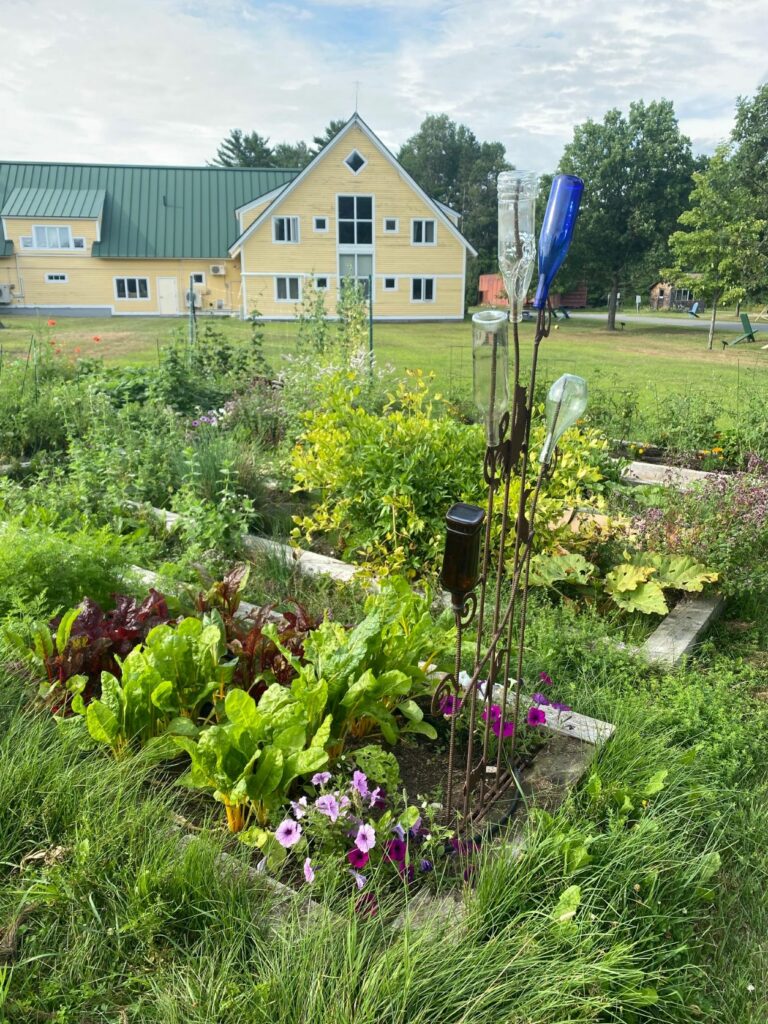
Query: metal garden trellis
{"x": 507, "y": 408}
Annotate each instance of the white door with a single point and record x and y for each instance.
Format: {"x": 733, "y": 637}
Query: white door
{"x": 167, "y": 295}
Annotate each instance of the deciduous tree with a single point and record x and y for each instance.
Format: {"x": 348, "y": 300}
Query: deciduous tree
{"x": 637, "y": 177}
{"x": 718, "y": 253}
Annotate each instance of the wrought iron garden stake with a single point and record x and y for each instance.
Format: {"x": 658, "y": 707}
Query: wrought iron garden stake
{"x": 507, "y": 412}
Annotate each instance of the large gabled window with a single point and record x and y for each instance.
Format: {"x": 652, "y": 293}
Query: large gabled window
{"x": 355, "y": 219}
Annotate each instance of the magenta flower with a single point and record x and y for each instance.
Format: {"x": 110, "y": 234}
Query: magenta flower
{"x": 464, "y": 846}
{"x": 496, "y": 717}
{"x": 536, "y": 717}
{"x": 545, "y": 678}
{"x": 365, "y": 839}
{"x": 394, "y": 851}
{"x": 320, "y": 778}
{"x": 450, "y": 705}
{"x": 328, "y": 805}
{"x": 360, "y": 783}
{"x": 358, "y": 858}
{"x": 288, "y": 833}
{"x": 309, "y": 873}
{"x": 495, "y": 712}
{"x": 360, "y": 880}
{"x": 406, "y": 873}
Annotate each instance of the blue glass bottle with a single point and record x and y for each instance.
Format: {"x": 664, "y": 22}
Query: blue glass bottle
{"x": 557, "y": 231}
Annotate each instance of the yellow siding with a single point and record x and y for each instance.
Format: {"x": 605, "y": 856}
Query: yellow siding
{"x": 91, "y": 281}
{"x": 316, "y": 252}
{"x": 249, "y": 216}
{"x": 17, "y": 227}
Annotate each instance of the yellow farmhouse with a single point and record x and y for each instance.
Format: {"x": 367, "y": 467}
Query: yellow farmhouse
{"x": 98, "y": 240}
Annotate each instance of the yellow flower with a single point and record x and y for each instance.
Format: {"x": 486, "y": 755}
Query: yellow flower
{"x": 716, "y": 450}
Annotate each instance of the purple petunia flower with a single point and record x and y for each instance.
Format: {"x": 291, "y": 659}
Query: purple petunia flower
{"x": 557, "y": 706}
{"x": 426, "y": 865}
{"x": 545, "y": 678}
{"x": 309, "y": 874}
{"x": 536, "y": 717}
{"x": 377, "y": 798}
{"x": 406, "y": 873}
{"x": 195, "y": 423}
{"x": 328, "y": 805}
{"x": 394, "y": 851}
{"x": 539, "y": 698}
{"x": 288, "y": 833}
{"x": 320, "y": 778}
{"x": 299, "y": 807}
{"x": 464, "y": 846}
{"x": 496, "y": 718}
{"x": 358, "y": 858}
{"x": 360, "y": 783}
{"x": 360, "y": 880}
{"x": 365, "y": 839}
{"x": 450, "y": 705}
{"x": 399, "y": 831}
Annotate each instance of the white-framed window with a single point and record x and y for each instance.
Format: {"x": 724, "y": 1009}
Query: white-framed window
{"x": 51, "y": 236}
{"x": 423, "y": 232}
{"x": 423, "y": 289}
{"x": 288, "y": 289}
{"x": 56, "y": 278}
{"x": 355, "y": 162}
{"x": 321, "y": 283}
{"x": 320, "y": 223}
{"x": 356, "y": 266}
{"x": 391, "y": 225}
{"x": 390, "y": 284}
{"x": 285, "y": 229}
{"x": 355, "y": 219}
{"x": 131, "y": 287}
{"x": 198, "y": 277}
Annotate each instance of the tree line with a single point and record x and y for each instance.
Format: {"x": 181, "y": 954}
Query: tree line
{"x": 651, "y": 208}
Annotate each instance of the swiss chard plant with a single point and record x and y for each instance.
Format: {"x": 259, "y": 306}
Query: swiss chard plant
{"x": 250, "y": 761}
{"x": 375, "y": 673}
{"x": 86, "y": 641}
{"x": 163, "y": 687}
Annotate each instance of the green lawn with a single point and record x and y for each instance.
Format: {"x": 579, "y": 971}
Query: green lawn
{"x": 649, "y": 360}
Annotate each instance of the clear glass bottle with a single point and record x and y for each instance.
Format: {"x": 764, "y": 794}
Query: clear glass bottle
{"x": 490, "y": 368}
{"x": 517, "y": 242}
{"x": 566, "y": 402}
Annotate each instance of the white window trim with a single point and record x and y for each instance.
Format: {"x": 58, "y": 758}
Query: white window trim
{"x": 320, "y": 231}
{"x": 286, "y": 216}
{"x": 361, "y": 167}
{"x": 390, "y": 231}
{"x": 198, "y": 284}
{"x": 423, "y": 220}
{"x": 287, "y": 277}
{"x": 427, "y": 277}
{"x": 55, "y": 278}
{"x": 126, "y": 277}
{"x": 389, "y": 277}
{"x": 56, "y": 248}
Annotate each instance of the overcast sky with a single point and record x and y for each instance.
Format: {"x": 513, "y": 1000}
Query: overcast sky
{"x": 163, "y": 81}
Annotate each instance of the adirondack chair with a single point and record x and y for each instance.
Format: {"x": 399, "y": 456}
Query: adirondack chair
{"x": 694, "y": 310}
{"x": 749, "y": 333}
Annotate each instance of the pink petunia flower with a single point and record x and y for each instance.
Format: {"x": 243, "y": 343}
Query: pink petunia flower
{"x": 365, "y": 839}
{"x": 360, "y": 880}
{"x": 545, "y": 678}
{"x": 309, "y": 873}
{"x": 288, "y": 833}
{"x": 536, "y": 717}
{"x": 320, "y": 778}
{"x": 360, "y": 783}
{"x": 329, "y": 806}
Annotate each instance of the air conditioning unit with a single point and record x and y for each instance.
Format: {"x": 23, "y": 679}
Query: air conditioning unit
{"x": 218, "y": 270}
{"x": 6, "y": 294}
{"x": 196, "y": 296}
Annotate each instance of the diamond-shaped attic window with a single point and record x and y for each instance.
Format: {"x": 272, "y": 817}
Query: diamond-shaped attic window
{"x": 355, "y": 162}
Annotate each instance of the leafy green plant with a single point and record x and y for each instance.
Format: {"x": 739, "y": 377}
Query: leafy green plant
{"x": 164, "y": 684}
{"x": 250, "y": 761}
{"x": 386, "y": 481}
{"x": 634, "y": 585}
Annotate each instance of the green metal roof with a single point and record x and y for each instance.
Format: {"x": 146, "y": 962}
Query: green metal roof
{"x": 54, "y": 202}
{"x": 148, "y": 212}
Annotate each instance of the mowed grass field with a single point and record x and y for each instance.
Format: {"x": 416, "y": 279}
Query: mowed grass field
{"x": 649, "y": 360}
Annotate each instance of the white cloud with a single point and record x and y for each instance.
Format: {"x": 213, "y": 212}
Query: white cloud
{"x": 163, "y": 81}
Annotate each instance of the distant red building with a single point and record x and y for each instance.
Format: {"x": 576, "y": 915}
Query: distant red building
{"x": 491, "y": 293}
